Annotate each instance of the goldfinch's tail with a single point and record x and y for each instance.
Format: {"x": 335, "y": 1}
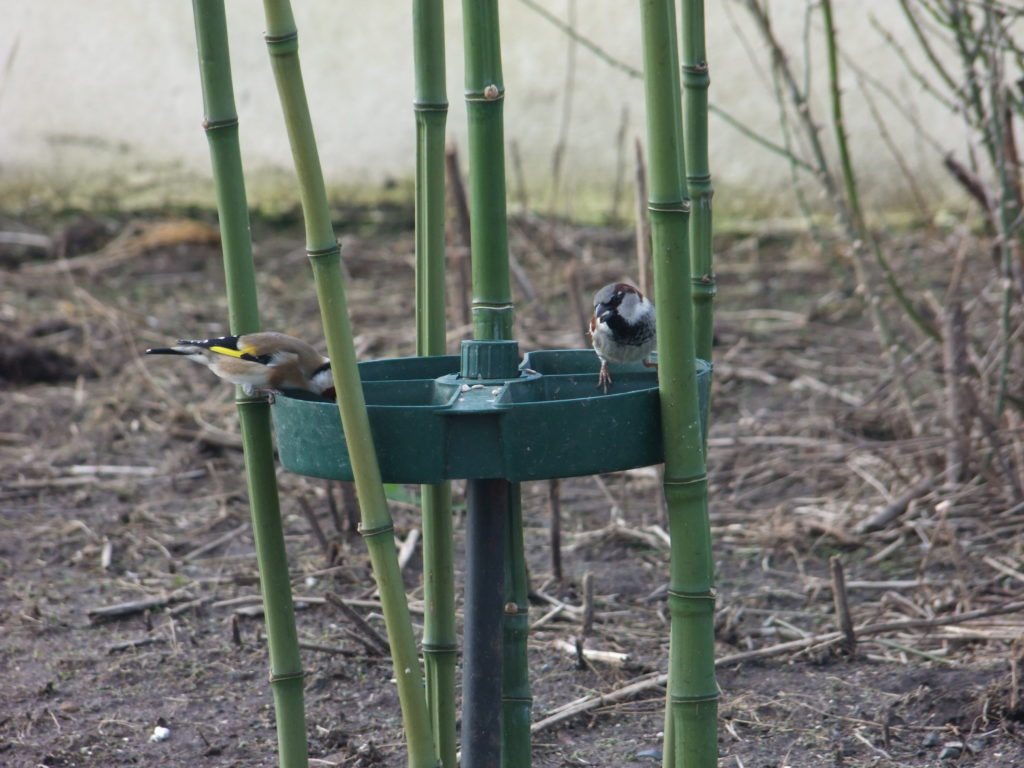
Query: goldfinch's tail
{"x": 169, "y": 351}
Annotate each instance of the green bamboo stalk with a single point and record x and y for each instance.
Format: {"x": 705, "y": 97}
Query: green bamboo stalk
{"x": 517, "y": 701}
{"x": 440, "y": 641}
{"x": 440, "y": 646}
{"x": 492, "y": 320}
{"x": 698, "y": 173}
{"x": 221, "y": 125}
{"x": 431, "y": 109}
{"x": 693, "y": 691}
{"x": 325, "y": 258}
{"x": 286, "y": 674}
{"x": 485, "y": 96}
{"x": 668, "y": 750}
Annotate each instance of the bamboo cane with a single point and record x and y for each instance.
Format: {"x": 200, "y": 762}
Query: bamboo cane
{"x": 693, "y": 692}
{"x": 517, "y": 702}
{"x": 221, "y": 125}
{"x": 325, "y": 258}
{"x": 485, "y": 93}
{"x": 696, "y": 171}
{"x": 492, "y": 320}
{"x": 698, "y": 174}
{"x": 431, "y": 109}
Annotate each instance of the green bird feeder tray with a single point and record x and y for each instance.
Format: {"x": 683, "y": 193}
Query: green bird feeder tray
{"x": 484, "y": 415}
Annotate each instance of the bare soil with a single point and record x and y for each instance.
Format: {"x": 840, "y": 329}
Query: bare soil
{"x": 122, "y": 480}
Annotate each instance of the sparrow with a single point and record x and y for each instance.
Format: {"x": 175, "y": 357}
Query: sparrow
{"x": 622, "y": 328}
{"x": 260, "y": 362}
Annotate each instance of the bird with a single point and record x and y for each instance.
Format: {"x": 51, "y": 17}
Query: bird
{"x": 622, "y": 329}
{"x": 260, "y": 362}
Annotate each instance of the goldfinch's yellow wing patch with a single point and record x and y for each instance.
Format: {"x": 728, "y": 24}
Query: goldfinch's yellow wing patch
{"x": 230, "y": 352}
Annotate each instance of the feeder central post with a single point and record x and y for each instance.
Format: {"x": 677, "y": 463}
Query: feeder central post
{"x": 486, "y": 518}
{"x": 487, "y": 538}
{"x": 491, "y": 539}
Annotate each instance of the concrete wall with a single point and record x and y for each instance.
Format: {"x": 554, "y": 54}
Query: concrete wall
{"x": 100, "y": 100}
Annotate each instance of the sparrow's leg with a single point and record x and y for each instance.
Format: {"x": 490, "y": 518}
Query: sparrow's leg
{"x": 604, "y": 378}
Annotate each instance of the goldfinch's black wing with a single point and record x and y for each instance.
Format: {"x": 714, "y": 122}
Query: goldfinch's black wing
{"x": 228, "y": 345}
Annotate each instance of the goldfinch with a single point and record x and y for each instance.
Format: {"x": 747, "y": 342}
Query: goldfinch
{"x": 267, "y": 362}
{"x": 622, "y": 328}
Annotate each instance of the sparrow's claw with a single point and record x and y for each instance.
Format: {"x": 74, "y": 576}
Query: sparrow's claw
{"x": 604, "y": 378}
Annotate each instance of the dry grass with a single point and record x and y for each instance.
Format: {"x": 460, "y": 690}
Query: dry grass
{"x": 122, "y": 482}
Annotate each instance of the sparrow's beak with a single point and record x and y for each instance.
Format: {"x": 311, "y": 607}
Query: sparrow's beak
{"x": 603, "y": 312}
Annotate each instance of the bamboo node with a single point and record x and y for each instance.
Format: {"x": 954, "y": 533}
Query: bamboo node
{"x": 324, "y": 253}
{"x": 695, "y": 76}
{"x": 287, "y": 676}
{"x": 213, "y": 125}
{"x": 246, "y": 400}
{"x": 439, "y": 648}
{"x": 682, "y": 482}
{"x": 489, "y": 93}
{"x": 709, "y": 595}
{"x": 282, "y": 45}
{"x": 672, "y": 206}
{"x": 696, "y": 699}
{"x": 367, "y": 533}
{"x": 430, "y": 106}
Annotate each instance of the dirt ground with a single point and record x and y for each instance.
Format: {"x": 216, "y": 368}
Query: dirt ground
{"x": 122, "y": 481}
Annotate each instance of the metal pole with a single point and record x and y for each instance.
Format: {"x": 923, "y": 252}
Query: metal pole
{"x": 486, "y": 520}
